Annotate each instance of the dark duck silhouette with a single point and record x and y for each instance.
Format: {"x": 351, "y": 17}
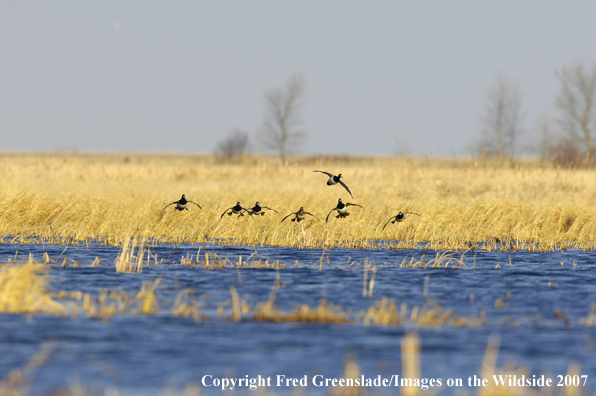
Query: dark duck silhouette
{"x": 182, "y": 203}
{"x": 236, "y": 209}
{"x": 399, "y": 218}
{"x": 258, "y": 209}
{"x": 333, "y": 180}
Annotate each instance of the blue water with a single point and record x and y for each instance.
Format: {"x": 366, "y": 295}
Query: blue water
{"x": 141, "y": 354}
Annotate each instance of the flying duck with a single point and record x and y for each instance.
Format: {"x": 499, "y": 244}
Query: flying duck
{"x": 181, "y": 203}
{"x": 258, "y": 209}
{"x": 399, "y": 218}
{"x": 237, "y": 209}
{"x": 334, "y": 180}
{"x": 300, "y": 215}
{"x": 342, "y": 209}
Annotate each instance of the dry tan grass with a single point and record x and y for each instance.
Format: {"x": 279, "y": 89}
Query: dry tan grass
{"x": 23, "y": 290}
{"x": 512, "y": 205}
{"x": 325, "y": 312}
{"x": 117, "y": 302}
{"x": 431, "y": 314}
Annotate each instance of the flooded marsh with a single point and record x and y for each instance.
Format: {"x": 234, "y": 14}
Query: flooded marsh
{"x": 245, "y": 311}
{"x": 107, "y": 287}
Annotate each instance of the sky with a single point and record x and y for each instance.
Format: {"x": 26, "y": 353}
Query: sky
{"x": 180, "y": 76}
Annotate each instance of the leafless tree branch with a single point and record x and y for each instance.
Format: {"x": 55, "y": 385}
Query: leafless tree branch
{"x": 576, "y": 104}
{"x": 282, "y": 121}
{"x": 502, "y": 119}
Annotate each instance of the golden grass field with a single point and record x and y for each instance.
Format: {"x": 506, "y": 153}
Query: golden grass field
{"x": 511, "y": 204}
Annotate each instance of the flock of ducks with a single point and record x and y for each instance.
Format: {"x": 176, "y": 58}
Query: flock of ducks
{"x": 341, "y": 207}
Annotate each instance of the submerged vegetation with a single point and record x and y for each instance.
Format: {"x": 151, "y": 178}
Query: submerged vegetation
{"x": 412, "y": 382}
{"x": 464, "y": 203}
{"x": 23, "y": 291}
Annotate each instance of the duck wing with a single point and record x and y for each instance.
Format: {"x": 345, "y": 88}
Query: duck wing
{"x": 413, "y": 213}
{"x": 327, "y": 218}
{"x": 346, "y": 187}
{"x": 265, "y": 207}
{"x": 196, "y": 204}
{"x": 388, "y": 222}
{"x": 175, "y": 202}
{"x": 282, "y": 220}
{"x": 308, "y": 213}
{"x": 353, "y": 204}
{"x": 225, "y": 211}
{"x": 247, "y": 211}
{"x": 327, "y": 173}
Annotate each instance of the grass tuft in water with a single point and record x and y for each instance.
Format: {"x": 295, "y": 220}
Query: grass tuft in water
{"x": 23, "y": 290}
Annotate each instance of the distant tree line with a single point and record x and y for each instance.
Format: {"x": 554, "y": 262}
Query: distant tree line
{"x": 568, "y": 137}
{"x": 281, "y": 130}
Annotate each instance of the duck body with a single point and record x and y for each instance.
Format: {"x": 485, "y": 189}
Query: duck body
{"x": 342, "y": 209}
{"x": 299, "y": 215}
{"x": 181, "y": 204}
{"x": 236, "y": 209}
{"x": 333, "y": 180}
{"x": 258, "y": 209}
{"x": 399, "y": 218}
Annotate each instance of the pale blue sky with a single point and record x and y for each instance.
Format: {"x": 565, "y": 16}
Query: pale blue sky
{"x": 179, "y": 76}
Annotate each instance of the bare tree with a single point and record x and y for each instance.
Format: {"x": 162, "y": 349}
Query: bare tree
{"x": 502, "y": 119}
{"x": 236, "y": 143}
{"x": 282, "y": 120}
{"x": 576, "y": 103}
{"x": 544, "y": 136}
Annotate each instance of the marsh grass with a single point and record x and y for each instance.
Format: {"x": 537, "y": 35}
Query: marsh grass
{"x": 23, "y": 290}
{"x": 322, "y": 313}
{"x": 127, "y": 261}
{"x": 463, "y": 202}
{"x": 108, "y": 303}
{"x": 431, "y": 314}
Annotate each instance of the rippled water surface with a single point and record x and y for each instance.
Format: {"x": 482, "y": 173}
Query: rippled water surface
{"x": 534, "y": 302}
